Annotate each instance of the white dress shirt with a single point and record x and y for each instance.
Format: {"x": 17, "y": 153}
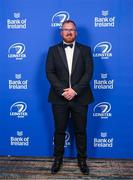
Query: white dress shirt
{"x": 69, "y": 55}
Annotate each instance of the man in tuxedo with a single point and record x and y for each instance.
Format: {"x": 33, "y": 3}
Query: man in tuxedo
{"x": 69, "y": 71}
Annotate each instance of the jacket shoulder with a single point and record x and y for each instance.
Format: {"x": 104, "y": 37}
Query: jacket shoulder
{"x": 83, "y": 46}
{"x": 55, "y": 46}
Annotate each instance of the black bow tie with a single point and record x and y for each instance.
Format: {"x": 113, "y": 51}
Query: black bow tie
{"x": 66, "y": 45}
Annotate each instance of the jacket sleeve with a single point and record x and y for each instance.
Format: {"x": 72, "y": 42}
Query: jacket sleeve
{"x": 51, "y": 73}
{"x": 87, "y": 76}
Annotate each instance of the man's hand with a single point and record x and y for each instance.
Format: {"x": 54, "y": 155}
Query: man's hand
{"x": 69, "y": 93}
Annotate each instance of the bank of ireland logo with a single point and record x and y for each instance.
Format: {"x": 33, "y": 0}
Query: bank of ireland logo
{"x": 103, "y": 141}
{"x": 102, "y": 110}
{"x": 17, "y": 22}
{"x": 104, "y": 20}
{"x": 18, "y": 83}
{"x": 59, "y": 17}
{"x": 17, "y": 51}
{"x": 104, "y": 82}
{"x": 103, "y": 50}
{"x": 20, "y": 139}
{"x": 18, "y": 109}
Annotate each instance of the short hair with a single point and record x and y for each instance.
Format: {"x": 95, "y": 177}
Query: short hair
{"x": 69, "y": 21}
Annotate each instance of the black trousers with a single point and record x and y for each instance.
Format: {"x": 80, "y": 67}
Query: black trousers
{"x": 79, "y": 117}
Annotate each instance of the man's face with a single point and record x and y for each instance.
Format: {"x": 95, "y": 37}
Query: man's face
{"x": 68, "y": 32}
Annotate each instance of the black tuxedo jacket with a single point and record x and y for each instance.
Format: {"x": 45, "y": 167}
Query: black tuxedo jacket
{"x": 58, "y": 74}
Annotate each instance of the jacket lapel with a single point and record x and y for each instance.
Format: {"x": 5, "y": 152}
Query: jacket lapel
{"x": 63, "y": 55}
{"x": 75, "y": 56}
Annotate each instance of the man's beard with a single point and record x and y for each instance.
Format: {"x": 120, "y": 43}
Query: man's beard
{"x": 69, "y": 40}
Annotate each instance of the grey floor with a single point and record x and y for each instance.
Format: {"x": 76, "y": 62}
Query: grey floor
{"x": 39, "y": 168}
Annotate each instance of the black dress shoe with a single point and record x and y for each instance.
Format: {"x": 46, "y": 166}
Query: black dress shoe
{"x": 83, "y": 167}
{"x": 56, "y": 166}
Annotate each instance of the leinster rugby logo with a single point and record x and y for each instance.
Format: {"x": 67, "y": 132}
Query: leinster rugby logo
{"x": 18, "y": 109}
{"x": 59, "y": 17}
{"x": 16, "y": 51}
{"x": 103, "y": 50}
{"x": 102, "y": 110}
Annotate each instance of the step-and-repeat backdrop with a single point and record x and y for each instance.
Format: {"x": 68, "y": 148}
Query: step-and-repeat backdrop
{"x": 27, "y": 29}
